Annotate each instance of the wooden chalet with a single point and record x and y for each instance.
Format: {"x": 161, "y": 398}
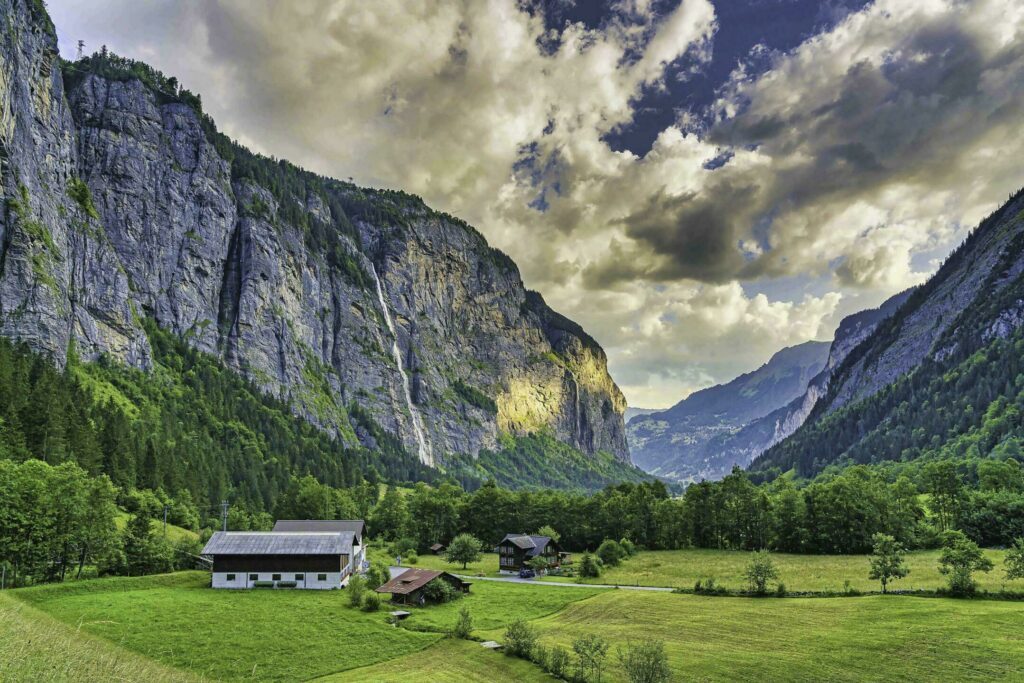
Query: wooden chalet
{"x": 406, "y": 588}
{"x": 516, "y": 550}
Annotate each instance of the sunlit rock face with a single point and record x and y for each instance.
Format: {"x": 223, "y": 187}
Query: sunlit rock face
{"x": 275, "y": 281}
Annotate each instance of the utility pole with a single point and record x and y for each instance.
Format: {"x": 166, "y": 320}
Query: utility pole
{"x": 224, "y": 513}
{"x": 165, "y": 520}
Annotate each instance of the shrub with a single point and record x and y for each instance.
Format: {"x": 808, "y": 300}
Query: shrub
{"x": 464, "y": 624}
{"x": 610, "y": 553}
{"x": 557, "y": 662}
{"x": 402, "y": 547}
{"x": 628, "y": 547}
{"x": 411, "y": 557}
{"x": 440, "y": 591}
{"x": 356, "y": 589}
{"x": 1014, "y": 560}
{"x": 377, "y": 575}
{"x": 645, "y": 662}
{"x": 590, "y": 566}
{"x": 371, "y": 602}
{"x": 760, "y": 570}
{"x": 960, "y": 558}
{"x": 780, "y": 590}
{"x": 591, "y": 651}
{"x": 520, "y": 639}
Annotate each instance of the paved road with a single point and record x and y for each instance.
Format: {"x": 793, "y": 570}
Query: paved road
{"x": 516, "y": 579}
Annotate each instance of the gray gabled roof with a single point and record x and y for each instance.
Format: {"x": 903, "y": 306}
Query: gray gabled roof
{"x": 279, "y": 543}
{"x": 533, "y": 545}
{"x": 354, "y": 525}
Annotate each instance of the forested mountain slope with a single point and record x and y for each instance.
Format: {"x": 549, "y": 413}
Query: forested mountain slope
{"x": 122, "y": 202}
{"x": 941, "y": 377}
{"x": 676, "y": 443}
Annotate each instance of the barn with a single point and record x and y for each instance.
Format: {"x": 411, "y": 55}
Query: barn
{"x": 271, "y": 559}
{"x": 356, "y": 527}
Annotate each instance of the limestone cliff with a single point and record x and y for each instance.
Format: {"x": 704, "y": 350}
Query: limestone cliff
{"x": 122, "y": 201}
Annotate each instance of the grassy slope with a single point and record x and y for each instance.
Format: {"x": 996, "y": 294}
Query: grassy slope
{"x": 681, "y": 568}
{"x": 174, "y": 533}
{"x": 841, "y": 639}
{"x": 229, "y": 635}
{"x": 279, "y": 635}
{"x": 36, "y": 647}
{"x": 449, "y": 661}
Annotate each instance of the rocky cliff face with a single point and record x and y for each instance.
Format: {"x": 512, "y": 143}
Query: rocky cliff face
{"x": 122, "y": 202}
{"x": 693, "y": 439}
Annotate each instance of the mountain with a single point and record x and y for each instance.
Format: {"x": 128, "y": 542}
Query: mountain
{"x": 362, "y": 309}
{"x": 743, "y": 446}
{"x": 675, "y": 443}
{"x": 940, "y": 377}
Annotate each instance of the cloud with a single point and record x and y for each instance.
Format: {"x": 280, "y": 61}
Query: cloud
{"x": 835, "y": 163}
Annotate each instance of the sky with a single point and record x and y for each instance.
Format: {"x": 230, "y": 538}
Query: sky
{"x": 699, "y": 183}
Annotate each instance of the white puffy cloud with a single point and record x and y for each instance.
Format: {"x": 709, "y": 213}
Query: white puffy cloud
{"x": 883, "y": 138}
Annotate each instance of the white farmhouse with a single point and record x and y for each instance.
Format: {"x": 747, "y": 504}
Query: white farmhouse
{"x": 273, "y": 559}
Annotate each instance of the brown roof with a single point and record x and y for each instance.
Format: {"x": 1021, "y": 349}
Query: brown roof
{"x": 411, "y": 580}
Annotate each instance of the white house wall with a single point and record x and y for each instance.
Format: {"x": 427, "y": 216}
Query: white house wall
{"x": 310, "y": 581}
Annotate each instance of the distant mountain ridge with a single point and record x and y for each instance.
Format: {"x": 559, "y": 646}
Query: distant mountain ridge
{"x": 674, "y": 443}
{"x": 940, "y": 377}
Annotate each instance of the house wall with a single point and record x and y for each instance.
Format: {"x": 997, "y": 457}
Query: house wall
{"x": 310, "y": 580}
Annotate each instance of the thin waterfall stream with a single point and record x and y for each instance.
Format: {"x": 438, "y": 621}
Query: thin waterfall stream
{"x": 425, "y": 453}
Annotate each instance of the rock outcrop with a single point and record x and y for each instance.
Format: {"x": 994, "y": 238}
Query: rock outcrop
{"x": 122, "y": 202}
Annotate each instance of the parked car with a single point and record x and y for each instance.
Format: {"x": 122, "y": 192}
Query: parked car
{"x": 527, "y": 573}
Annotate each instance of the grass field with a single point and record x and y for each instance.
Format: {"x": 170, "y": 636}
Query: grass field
{"x": 36, "y": 647}
{"x": 449, "y": 661}
{"x": 888, "y": 638}
{"x": 228, "y": 635}
{"x": 682, "y": 568}
{"x": 494, "y": 605}
{"x": 174, "y": 628}
{"x": 271, "y": 635}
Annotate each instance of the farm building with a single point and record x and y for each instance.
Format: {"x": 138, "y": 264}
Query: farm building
{"x": 356, "y": 526}
{"x": 273, "y": 559}
{"x": 407, "y": 587}
{"x": 437, "y": 548}
{"x": 516, "y": 550}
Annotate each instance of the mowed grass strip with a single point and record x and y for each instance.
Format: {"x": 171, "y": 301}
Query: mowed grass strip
{"x": 36, "y": 647}
{"x": 682, "y": 568}
{"x": 493, "y": 604}
{"x": 262, "y": 635}
{"x": 449, "y": 661}
{"x": 870, "y": 638}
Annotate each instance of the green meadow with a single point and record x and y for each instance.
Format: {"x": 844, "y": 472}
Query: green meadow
{"x": 869, "y": 638}
{"x": 800, "y": 573}
{"x": 173, "y": 627}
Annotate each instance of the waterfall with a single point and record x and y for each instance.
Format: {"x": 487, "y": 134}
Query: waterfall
{"x": 425, "y": 453}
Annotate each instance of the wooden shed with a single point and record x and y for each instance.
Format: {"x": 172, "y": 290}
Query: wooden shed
{"x": 407, "y": 588}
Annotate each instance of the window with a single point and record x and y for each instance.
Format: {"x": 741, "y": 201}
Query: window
{"x": 254, "y": 577}
{"x": 300, "y": 577}
{"x": 231, "y": 577}
{"x": 321, "y": 577}
{"x": 275, "y": 577}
